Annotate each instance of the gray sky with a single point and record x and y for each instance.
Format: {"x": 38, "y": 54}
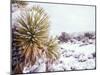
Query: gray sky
{"x": 69, "y": 18}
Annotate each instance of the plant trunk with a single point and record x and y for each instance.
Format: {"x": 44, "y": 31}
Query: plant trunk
{"x": 47, "y": 65}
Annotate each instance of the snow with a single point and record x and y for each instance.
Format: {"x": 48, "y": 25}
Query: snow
{"x": 88, "y": 49}
{"x": 39, "y": 66}
{"x": 72, "y": 57}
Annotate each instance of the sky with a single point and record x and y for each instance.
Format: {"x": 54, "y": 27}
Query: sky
{"x": 69, "y": 18}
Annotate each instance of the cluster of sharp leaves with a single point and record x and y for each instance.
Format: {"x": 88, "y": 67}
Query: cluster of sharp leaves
{"x": 31, "y": 35}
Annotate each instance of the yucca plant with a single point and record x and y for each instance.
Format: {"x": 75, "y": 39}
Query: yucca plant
{"x": 31, "y": 33}
{"x": 31, "y": 36}
{"x": 52, "y": 51}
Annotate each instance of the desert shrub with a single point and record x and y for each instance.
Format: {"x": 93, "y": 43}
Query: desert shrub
{"x": 19, "y": 2}
{"x": 89, "y": 35}
{"x": 79, "y": 37}
{"x": 64, "y": 37}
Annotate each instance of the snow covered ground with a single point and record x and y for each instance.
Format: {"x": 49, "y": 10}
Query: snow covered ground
{"x": 72, "y": 57}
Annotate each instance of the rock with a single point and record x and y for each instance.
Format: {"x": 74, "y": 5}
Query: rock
{"x": 82, "y": 58}
{"x": 90, "y": 56}
{"x": 94, "y": 55}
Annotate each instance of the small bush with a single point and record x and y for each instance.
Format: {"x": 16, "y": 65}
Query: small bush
{"x": 64, "y": 37}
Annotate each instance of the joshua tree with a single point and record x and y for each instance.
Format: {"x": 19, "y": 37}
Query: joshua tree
{"x": 31, "y": 35}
